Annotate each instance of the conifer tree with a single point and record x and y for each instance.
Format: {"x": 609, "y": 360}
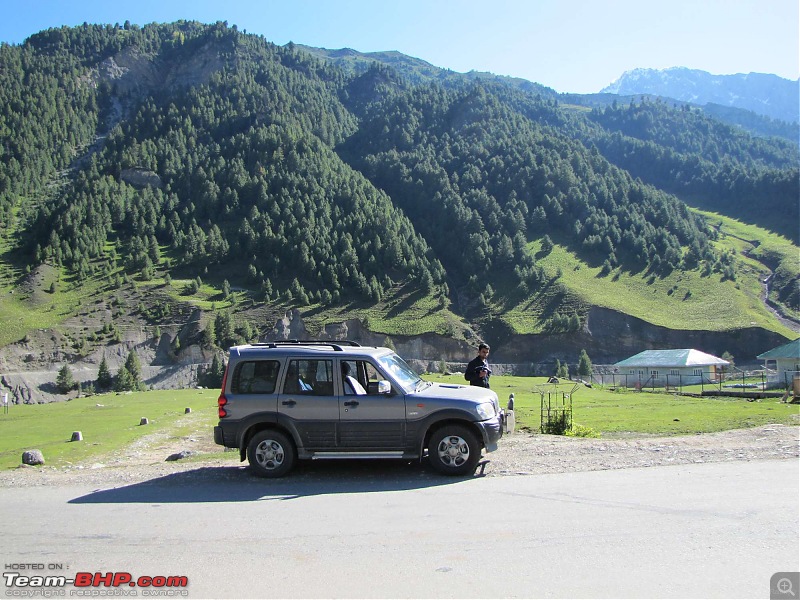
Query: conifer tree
{"x": 133, "y": 366}
{"x": 64, "y": 380}
{"x": 584, "y": 364}
{"x": 104, "y": 378}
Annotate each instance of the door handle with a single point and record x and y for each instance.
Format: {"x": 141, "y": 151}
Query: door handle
{"x": 351, "y": 403}
{"x": 288, "y": 402}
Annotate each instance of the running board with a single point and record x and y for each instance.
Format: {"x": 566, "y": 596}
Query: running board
{"x": 362, "y": 455}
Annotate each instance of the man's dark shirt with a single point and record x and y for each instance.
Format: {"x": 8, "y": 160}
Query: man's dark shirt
{"x": 471, "y": 374}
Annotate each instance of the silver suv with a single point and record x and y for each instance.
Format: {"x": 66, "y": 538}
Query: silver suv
{"x": 283, "y": 401}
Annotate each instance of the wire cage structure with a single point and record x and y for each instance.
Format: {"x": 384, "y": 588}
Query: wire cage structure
{"x": 556, "y": 410}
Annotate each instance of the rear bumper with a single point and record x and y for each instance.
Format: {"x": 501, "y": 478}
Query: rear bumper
{"x": 226, "y": 436}
{"x": 491, "y": 431}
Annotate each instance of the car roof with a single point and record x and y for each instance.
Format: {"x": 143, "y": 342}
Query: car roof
{"x": 309, "y": 347}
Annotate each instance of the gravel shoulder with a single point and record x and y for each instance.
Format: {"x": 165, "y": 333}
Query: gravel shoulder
{"x": 519, "y": 454}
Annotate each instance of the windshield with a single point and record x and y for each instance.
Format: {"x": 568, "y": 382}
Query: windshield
{"x": 400, "y": 371}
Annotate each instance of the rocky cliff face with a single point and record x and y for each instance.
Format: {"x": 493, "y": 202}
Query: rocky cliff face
{"x": 426, "y": 347}
{"x": 28, "y": 368}
{"x": 610, "y": 336}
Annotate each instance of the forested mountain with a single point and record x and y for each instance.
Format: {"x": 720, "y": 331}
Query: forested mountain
{"x": 177, "y": 149}
{"x": 417, "y": 71}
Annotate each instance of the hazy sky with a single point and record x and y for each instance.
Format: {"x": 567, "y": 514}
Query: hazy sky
{"x": 569, "y": 45}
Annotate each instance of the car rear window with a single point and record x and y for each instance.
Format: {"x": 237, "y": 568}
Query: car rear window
{"x": 256, "y": 377}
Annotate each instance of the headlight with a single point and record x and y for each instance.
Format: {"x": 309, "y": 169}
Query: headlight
{"x": 486, "y": 410}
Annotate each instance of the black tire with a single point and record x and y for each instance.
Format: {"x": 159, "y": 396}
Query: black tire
{"x": 271, "y": 454}
{"x": 454, "y": 450}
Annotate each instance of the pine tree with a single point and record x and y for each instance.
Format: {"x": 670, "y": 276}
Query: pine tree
{"x": 213, "y": 375}
{"x": 209, "y": 335}
{"x": 123, "y": 382}
{"x": 584, "y": 364}
{"x": 104, "y": 377}
{"x": 133, "y": 366}
{"x": 64, "y": 380}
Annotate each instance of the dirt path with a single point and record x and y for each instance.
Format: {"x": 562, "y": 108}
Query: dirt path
{"x": 519, "y": 454}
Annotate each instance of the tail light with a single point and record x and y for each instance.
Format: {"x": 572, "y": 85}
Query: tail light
{"x": 222, "y": 400}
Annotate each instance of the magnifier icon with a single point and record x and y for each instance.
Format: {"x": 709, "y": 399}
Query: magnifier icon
{"x": 785, "y": 587}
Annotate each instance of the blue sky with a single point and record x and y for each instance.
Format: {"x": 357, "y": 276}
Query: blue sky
{"x": 569, "y": 45}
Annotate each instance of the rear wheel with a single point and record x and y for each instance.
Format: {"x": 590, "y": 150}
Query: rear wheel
{"x": 271, "y": 454}
{"x": 454, "y": 450}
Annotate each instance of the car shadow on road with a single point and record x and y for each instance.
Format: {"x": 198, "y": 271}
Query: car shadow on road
{"x": 237, "y": 484}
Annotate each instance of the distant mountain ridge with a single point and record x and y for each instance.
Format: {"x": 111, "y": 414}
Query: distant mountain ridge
{"x": 419, "y": 72}
{"x": 761, "y": 93}
{"x": 415, "y": 70}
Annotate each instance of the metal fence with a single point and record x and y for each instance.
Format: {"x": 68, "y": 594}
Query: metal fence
{"x": 732, "y": 380}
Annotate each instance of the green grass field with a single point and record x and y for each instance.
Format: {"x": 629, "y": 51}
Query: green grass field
{"x": 106, "y": 428}
{"x": 114, "y": 425}
{"x": 685, "y": 300}
{"x": 609, "y": 412}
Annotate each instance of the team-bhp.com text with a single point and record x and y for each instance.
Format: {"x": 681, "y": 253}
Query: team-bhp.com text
{"x": 94, "y": 584}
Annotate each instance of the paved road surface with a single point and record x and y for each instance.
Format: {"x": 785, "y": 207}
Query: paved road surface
{"x": 706, "y": 530}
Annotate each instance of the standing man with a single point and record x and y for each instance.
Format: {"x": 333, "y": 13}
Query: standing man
{"x": 478, "y": 370}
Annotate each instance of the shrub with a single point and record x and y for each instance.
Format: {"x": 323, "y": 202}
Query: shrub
{"x": 558, "y": 423}
{"x": 582, "y": 431}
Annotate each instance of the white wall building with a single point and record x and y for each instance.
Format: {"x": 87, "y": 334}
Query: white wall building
{"x": 671, "y": 367}
{"x": 782, "y": 363}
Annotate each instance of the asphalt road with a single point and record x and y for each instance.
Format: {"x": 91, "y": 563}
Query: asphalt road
{"x": 705, "y": 530}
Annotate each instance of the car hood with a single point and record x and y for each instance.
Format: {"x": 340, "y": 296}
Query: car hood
{"x": 452, "y": 391}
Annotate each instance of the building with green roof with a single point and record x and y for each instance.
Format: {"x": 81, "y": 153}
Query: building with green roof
{"x": 671, "y": 367}
{"x": 782, "y": 363}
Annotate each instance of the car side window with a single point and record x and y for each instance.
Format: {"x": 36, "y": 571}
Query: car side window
{"x": 256, "y": 377}
{"x": 373, "y": 377}
{"x": 351, "y": 383}
{"x": 309, "y": 377}
{"x": 360, "y": 377}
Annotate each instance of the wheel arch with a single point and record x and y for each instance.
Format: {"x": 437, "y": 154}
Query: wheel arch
{"x": 437, "y": 425}
{"x": 258, "y": 427}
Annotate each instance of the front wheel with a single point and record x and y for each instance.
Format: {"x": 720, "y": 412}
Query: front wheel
{"x": 454, "y": 450}
{"x": 271, "y": 454}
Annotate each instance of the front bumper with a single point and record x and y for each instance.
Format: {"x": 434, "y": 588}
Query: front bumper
{"x": 492, "y": 430}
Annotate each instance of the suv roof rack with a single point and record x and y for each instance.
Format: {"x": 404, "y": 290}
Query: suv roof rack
{"x": 336, "y": 345}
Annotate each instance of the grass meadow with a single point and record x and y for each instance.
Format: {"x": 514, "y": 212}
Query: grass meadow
{"x": 108, "y": 422}
{"x": 617, "y": 413}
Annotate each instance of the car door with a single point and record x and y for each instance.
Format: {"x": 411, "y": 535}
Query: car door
{"x": 307, "y": 402}
{"x": 368, "y": 420}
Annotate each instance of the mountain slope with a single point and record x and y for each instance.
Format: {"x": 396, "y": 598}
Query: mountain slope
{"x": 761, "y": 93}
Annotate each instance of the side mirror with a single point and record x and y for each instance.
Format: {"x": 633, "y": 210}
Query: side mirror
{"x": 384, "y": 387}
